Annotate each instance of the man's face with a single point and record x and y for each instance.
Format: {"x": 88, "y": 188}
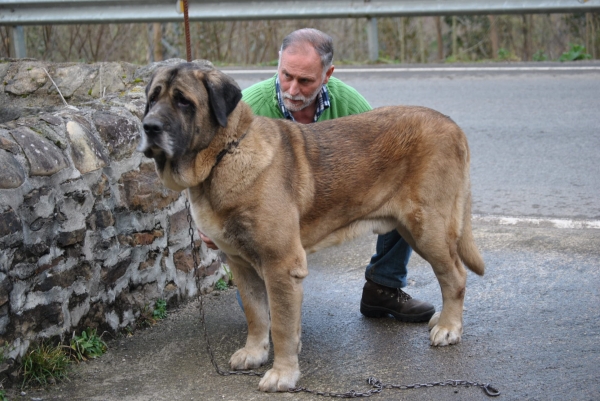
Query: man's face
{"x": 301, "y": 76}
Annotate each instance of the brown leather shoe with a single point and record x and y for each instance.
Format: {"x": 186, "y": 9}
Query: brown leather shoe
{"x": 380, "y": 301}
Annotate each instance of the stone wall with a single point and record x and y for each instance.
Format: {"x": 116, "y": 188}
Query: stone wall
{"x": 88, "y": 235}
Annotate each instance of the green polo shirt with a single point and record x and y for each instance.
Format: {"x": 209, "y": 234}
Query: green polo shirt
{"x": 344, "y": 100}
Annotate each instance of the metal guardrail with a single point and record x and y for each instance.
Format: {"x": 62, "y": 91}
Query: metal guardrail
{"x": 46, "y": 12}
{"x": 17, "y": 13}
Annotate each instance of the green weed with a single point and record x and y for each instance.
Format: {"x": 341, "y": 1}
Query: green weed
{"x": 506, "y": 55}
{"x": 539, "y": 56}
{"x": 221, "y": 285}
{"x": 160, "y": 309}
{"x": 576, "y": 52}
{"x": 45, "y": 364}
{"x": 149, "y": 316}
{"x": 88, "y": 345}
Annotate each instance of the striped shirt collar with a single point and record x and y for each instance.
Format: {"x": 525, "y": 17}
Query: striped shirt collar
{"x": 322, "y": 102}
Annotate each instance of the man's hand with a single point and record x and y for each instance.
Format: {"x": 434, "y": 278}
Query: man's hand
{"x": 208, "y": 241}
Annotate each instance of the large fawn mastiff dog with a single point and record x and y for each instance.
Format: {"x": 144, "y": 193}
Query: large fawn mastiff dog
{"x": 268, "y": 191}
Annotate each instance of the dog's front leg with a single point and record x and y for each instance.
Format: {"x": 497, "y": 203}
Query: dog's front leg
{"x": 256, "y": 308}
{"x": 284, "y": 287}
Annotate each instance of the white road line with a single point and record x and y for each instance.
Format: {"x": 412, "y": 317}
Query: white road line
{"x": 542, "y": 222}
{"x": 436, "y": 69}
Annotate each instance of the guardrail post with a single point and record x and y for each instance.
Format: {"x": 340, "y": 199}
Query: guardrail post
{"x": 373, "y": 39}
{"x": 17, "y": 42}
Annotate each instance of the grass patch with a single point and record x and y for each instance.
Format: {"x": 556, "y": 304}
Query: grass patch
{"x": 45, "y": 364}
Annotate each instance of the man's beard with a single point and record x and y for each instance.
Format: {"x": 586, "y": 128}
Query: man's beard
{"x": 306, "y": 101}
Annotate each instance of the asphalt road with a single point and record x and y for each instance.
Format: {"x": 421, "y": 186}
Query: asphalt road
{"x": 532, "y": 323}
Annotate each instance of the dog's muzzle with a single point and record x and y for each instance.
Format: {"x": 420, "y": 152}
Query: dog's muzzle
{"x": 153, "y": 129}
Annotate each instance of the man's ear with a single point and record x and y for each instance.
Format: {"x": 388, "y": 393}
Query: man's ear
{"x": 223, "y": 94}
{"x": 328, "y": 74}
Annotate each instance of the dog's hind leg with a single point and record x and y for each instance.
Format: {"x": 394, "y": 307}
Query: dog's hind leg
{"x": 439, "y": 248}
{"x": 256, "y": 308}
{"x": 446, "y": 327}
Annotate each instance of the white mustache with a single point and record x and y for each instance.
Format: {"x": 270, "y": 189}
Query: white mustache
{"x": 297, "y": 97}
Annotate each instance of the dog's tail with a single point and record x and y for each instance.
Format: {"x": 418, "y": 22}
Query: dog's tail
{"x": 467, "y": 250}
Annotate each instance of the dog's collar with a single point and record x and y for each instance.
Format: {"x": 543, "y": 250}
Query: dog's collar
{"x": 229, "y": 148}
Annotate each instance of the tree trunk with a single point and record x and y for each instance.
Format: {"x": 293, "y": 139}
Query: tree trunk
{"x": 527, "y": 45}
{"x": 493, "y": 36}
{"x": 402, "y": 39}
{"x": 454, "y": 39}
{"x": 157, "y": 41}
{"x": 421, "y": 33}
{"x": 440, "y": 41}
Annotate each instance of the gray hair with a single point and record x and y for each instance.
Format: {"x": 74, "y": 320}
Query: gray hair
{"x": 321, "y": 42}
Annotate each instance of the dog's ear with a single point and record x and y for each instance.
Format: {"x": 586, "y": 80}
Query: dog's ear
{"x": 223, "y": 94}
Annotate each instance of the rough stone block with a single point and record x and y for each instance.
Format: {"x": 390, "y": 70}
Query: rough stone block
{"x": 13, "y": 174}
{"x": 179, "y": 227}
{"x": 70, "y": 237}
{"x": 37, "y": 319}
{"x": 150, "y": 260}
{"x": 71, "y": 78}
{"x": 183, "y": 260}
{"x": 142, "y": 190}
{"x": 118, "y": 132}
{"x": 65, "y": 278}
{"x": 5, "y": 289}
{"x": 111, "y": 274}
{"x": 10, "y": 223}
{"x": 9, "y": 145}
{"x": 87, "y": 152}
{"x": 100, "y": 220}
{"x": 47, "y": 266}
{"x": 78, "y": 300}
{"x": 101, "y": 188}
{"x": 44, "y": 157}
{"x": 143, "y": 238}
{"x": 27, "y": 80}
{"x": 23, "y": 271}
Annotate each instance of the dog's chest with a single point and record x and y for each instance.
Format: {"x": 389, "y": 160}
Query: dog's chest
{"x": 209, "y": 223}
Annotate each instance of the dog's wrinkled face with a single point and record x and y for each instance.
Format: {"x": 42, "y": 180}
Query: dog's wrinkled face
{"x": 186, "y": 105}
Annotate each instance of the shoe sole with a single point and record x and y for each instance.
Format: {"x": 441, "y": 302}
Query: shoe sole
{"x": 377, "y": 312}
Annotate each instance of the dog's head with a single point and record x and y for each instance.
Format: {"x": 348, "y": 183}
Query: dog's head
{"x": 186, "y": 106}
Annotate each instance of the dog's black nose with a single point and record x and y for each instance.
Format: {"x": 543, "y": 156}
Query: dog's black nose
{"x": 153, "y": 127}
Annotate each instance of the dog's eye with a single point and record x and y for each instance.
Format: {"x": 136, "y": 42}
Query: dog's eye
{"x": 153, "y": 96}
{"x": 182, "y": 100}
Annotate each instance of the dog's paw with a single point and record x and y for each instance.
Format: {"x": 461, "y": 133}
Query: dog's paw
{"x": 279, "y": 380}
{"x": 443, "y": 334}
{"x": 245, "y": 358}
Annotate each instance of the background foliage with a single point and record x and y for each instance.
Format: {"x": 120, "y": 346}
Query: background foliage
{"x": 401, "y": 40}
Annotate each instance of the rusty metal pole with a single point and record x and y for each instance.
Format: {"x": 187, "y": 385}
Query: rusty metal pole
{"x": 186, "y": 21}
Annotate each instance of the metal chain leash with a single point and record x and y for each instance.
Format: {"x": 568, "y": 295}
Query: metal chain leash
{"x": 201, "y": 299}
{"x": 377, "y": 385}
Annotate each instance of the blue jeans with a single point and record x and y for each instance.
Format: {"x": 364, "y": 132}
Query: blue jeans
{"x": 388, "y": 265}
